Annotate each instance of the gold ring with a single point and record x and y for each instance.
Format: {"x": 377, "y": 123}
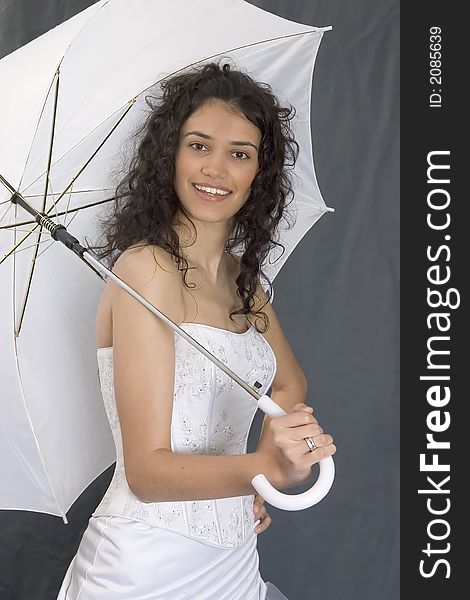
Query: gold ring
{"x": 310, "y": 443}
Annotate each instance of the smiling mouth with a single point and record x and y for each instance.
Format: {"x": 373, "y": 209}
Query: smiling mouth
{"x": 210, "y": 192}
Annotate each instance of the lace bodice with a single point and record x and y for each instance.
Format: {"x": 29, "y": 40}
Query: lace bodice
{"x": 211, "y": 415}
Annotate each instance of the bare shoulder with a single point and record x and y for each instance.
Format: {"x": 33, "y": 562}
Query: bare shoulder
{"x": 151, "y": 271}
{"x": 143, "y": 261}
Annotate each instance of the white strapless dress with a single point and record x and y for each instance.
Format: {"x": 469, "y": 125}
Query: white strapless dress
{"x": 182, "y": 550}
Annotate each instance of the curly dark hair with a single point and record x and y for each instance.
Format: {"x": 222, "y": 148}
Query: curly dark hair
{"x": 146, "y": 203}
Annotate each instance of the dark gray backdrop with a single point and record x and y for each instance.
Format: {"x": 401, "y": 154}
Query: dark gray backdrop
{"x": 337, "y": 300}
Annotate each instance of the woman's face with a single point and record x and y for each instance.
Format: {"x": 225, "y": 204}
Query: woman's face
{"x": 216, "y": 162}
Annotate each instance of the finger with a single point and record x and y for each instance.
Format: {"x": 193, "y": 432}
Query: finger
{"x": 264, "y": 524}
{"x": 290, "y": 436}
{"x": 320, "y": 441}
{"x": 302, "y": 431}
{"x": 283, "y": 435}
{"x": 293, "y": 419}
{"x": 300, "y": 454}
{"x": 311, "y": 458}
{"x": 301, "y": 406}
{"x": 299, "y": 451}
{"x": 258, "y": 503}
{"x": 260, "y": 513}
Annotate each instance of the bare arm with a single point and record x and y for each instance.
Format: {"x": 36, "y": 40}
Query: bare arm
{"x": 170, "y": 476}
{"x": 289, "y": 387}
{"x": 144, "y": 359}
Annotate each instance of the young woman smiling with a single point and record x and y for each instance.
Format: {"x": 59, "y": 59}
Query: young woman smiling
{"x": 180, "y": 517}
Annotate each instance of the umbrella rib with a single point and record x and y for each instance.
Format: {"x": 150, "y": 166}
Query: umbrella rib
{"x": 30, "y": 279}
{"x": 40, "y": 243}
{"x": 25, "y": 196}
{"x": 131, "y": 103}
{"x": 51, "y": 145}
{"x": 67, "y": 208}
{"x": 37, "y": 127}
{"x": 49, "y": 244}
{"x": 59, "y": 214}
{"x": 6, "y": 211}
{"x": 17, "y": 245}
{"x": 8, "y": 185}
{"x": 78, "y": 142}
{"x": 324, "y": 208}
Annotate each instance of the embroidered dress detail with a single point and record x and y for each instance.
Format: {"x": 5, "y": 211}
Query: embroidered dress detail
{"x": 211, "y": 415}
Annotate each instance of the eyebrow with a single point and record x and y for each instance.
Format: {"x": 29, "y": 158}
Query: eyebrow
{"x": 233, "y": 143}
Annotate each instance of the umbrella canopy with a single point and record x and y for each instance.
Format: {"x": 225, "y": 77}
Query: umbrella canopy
{"x": 71, "y": 99}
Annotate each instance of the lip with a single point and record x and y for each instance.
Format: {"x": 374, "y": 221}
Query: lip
{"x": 208, "y": 197}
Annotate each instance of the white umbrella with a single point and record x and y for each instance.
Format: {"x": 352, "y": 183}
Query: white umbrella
{"x": 70, "y": 99}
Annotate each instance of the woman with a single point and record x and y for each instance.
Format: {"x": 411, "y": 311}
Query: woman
{"x": 211, "y": 171}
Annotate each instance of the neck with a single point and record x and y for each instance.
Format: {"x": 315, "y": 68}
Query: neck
{"x": 205, "y": 248}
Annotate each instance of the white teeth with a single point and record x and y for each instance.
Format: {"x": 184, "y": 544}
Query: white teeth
{"x": 213, "y": 191}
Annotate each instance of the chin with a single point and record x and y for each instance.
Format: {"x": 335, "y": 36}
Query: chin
{"x": 205, "y": 215}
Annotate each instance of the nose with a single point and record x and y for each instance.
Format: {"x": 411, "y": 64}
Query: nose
{"x": 214, "y": 166}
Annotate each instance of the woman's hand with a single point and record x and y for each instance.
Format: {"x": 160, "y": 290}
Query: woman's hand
{"x": 260, "y": 512}
{"x": 293, "y": 454}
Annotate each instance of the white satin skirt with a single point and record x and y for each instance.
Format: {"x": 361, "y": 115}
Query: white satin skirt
{"x": 123, "y": 559}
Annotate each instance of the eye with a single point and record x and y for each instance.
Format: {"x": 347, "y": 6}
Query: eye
{"x": 241, "y": 157}
{"x": 193, "y": 144}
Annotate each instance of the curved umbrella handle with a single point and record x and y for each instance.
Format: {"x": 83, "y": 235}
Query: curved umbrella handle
{"x": 293, "y": 501}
